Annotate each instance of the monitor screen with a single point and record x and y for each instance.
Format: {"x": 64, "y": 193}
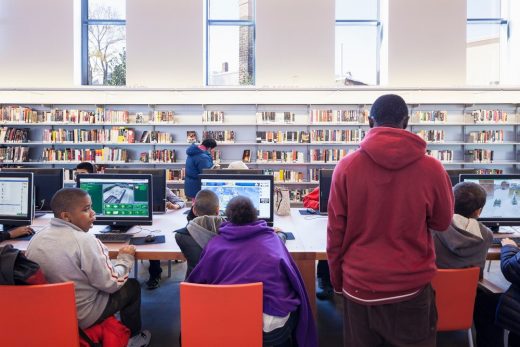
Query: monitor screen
{"x": 47, "y": 181}
{"x": 232, "y": 172}
{"x": 119, "y": 201}
{"x": 325, "y": 181}
{"x": 455, "y": 174}
{"x": 158, "y": 183}
{"x": 16, "y": 203}
{"x": 503, "y": 198}
{"x": 259, "y": 188}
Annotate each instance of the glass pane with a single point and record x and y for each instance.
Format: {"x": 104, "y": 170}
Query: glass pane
{"x": 231, "y": 55}
{"x": 107, "y": 54}
{"x": 356, "y": 9}
{"x": 106, "y": 9}
{"x": 231, "y": 9}
{"x": 356, "y": 53}
{"x": 484, "y": 9}
{"x": 483, "y": 54}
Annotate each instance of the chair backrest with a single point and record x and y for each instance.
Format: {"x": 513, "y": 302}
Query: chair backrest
{"x": 38, "y": 315}
{"x": 221, "y": 315}
{"x": 455, "y": 291}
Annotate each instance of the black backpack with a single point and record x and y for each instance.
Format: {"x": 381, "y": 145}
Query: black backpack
{"x": 16, "y": 269}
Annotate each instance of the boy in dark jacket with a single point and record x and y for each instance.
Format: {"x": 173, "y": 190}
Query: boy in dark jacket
{"x": 199, "y": 158}
{"x": 466, "y": 242}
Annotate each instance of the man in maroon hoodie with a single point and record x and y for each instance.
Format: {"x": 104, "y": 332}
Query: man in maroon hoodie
{"x": 383, "y": 199}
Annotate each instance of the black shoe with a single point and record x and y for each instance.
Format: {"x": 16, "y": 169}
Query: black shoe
{"x": 325, "y": 293}
{"x": 153, "y": 283}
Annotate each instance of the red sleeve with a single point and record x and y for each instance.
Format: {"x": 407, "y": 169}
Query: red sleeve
{"x": 441, "y": 212}
{"x": 337, "y": 225}
{"x": 312, "y": 200}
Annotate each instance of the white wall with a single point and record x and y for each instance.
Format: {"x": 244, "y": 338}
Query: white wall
{"x": 36, "y": 43}
{"x": 295, "y": 43}
{"x": 165, "y": 43}
{"x": 426, "y": 42}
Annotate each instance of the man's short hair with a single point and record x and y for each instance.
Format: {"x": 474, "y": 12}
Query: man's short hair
{"x": 469, "y": 197}
{"x": 206, "y": 203}
{"x": 240, "y": 210}
{"x": 86, "y": 166}
{"x": 64, "y": 198}
{"x": 209, "y": 143}
{"x": 389, "y": 109}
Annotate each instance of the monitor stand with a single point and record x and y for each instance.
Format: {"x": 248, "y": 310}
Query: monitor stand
{"x": 39, "y": 214}
{"x": 116, "y": 229}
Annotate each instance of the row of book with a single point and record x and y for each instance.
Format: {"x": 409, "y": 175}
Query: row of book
{"x": 158, "y": 156}
{"x": 156, "y": 137}
{"x": 213, "y": 117}
{"x": 280, "y": 156}
{"x": 275, "y": 117}
{"x": 282, "y": 137}
{"x": 445, "y": 155}
{"x": 14, "y": 154}
{"x": 489, "y": 116}
{"x": 330, "y": 135}
{"x": 286, "y": 175}
{"x": 480, "y": 155}
{"x": 328, "y": 155}
{"x": 105, "y": 154}
{"x": 338, "y": 116}
{"x": 113, "y": 135}
{"x": 486, "y": 136}
{"x": 227, "y": 136}
{"x": 431, "y": 116}
{"x": 431, "y": 135}
{"x": 8, "y": 134}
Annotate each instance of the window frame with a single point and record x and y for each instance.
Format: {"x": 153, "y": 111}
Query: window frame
{"x": 379, "y": 34}
{"x": 230, "y": 23}
{"x": 85, "y": 22}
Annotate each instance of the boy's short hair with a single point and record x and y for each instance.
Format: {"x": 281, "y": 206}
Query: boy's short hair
{"x": 389, "y": 109}
{"x": 206, "y": 203}
{"x": 209, "y": 143}
{"x": 91, "y": 168}
{"x": 240, "y": 210}
{"x": 469, "y": 197}
{"x": 64, "y": 198}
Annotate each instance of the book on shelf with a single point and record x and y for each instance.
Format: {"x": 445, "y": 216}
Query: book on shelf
{"x": 145, "y": 137}
{"x": 164, "y": 117}
{"x": 213, "y": 117}
{"x": 335, "y": 135}
{"x": 480, "y": 155}
{"x": 270, "y": 117}
{"x": 191, "y": 136}
{"x": 219, "y": 135}
{"x": 358, "y": 116}
{"x": 280, "y": 156}
{"x": 175, "y": 174}
{"x": 328, "y": 155}
{"x": 246, "y": 156}
{"x": 445, "y": 155}
{"x": 431, "y": 116}
{"x": 16, "y": 135}
{"x": 486, "y": 136}
{"x": 14, "y": 154}
{"x": 433, "y": 136}
{"x": 489, "y": 116}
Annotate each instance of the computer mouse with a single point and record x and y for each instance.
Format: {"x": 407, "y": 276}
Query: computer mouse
{"x": 31, "y": 231}
{"x": 149, "y": 238}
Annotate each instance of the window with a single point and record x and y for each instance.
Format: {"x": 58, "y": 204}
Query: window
{"x": 487, "y": 42}
{"x": 103, "y": 42}
{"x": 230, "y": 42}
{"x": 358, "y": 41}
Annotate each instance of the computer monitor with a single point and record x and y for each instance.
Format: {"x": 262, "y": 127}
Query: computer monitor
{"x": 232, "y": 171}
{"x": 259, "y": 188}
{"x": 158, "y": 183}
{"x": 16, "y": 199}
{"x": 325, "y": 181}
{"x": 47, "y": 181}
{"x": 119, "y": 202}
{"x": 455, "y": 174}
{"x": 503, "y": 199}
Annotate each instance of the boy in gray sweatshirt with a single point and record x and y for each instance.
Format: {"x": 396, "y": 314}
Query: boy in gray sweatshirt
{"x": 67, "y": 252}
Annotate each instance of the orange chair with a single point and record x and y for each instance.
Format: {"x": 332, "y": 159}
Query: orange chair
{"x": 455, "y": 291}
{"x": 221, "y": 315}
{"x": 38, "y": 315}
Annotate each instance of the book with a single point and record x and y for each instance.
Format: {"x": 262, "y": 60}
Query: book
{"x": 246, "y": 156}
{"x": 145, "y": 137}
{"x": 191, "y": 136}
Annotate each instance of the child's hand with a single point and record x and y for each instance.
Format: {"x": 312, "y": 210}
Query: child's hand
{"x": 172, "y": 206}
{"x": 508, "y": 241}
{"x": 277, "y": 230}
{"x": 128, "y": 249}
{"x": 20, "y": 231}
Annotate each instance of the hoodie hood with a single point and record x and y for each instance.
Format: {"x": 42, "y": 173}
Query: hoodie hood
{"x": 392, "y": 148}
{"x": 204, "y": 228}
{"x": 231, "y": 231}
{"x": 194, "y": 150}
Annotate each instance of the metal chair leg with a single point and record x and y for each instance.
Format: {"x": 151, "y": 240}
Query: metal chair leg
{"x": 169, "y": 268}
{"x": 470, "y": 338}
{"x": 489, "y": 265}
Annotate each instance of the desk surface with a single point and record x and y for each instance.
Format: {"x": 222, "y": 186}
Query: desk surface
{"x": 309, "y": 232}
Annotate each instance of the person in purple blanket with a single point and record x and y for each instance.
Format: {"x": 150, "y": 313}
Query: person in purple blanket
{"x": 247, "y": 250}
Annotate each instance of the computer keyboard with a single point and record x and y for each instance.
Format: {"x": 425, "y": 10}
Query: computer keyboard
{"x": 497, "y": 241}
{"x": 114, "y": 237}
